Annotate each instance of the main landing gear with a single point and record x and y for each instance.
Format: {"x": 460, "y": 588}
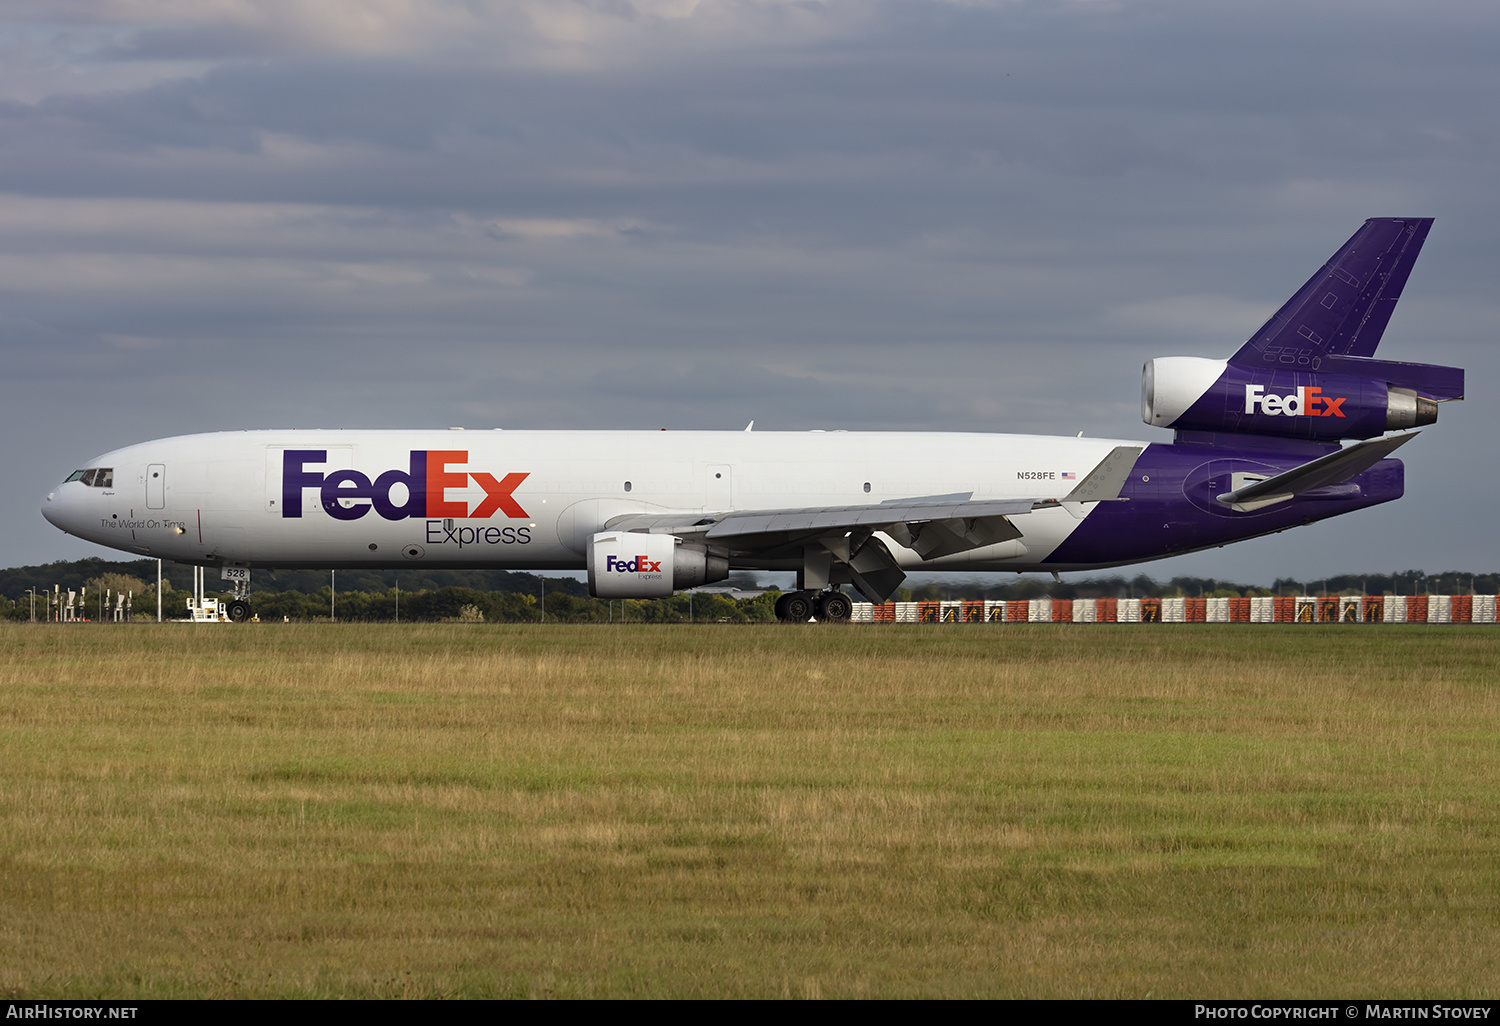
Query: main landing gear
{"x": 825, "y": 607}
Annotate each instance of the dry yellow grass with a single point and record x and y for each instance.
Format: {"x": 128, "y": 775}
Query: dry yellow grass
{"x": 456, "y": 810}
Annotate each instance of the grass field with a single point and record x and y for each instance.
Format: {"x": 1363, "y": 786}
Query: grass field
{"x": 472, "y": 810}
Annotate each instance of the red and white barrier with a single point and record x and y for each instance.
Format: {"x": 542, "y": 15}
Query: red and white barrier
{"x": 1256, "y": 609}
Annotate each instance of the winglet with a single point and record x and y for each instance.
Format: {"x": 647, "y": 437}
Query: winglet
{"x": 1104, "y": 482}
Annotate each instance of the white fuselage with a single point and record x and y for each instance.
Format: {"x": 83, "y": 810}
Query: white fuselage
{"x": 531, "y": 499}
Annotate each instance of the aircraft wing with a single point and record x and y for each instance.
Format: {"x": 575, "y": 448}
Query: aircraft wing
{"x": 932, "y": 525}
{"x": 1102, "y": 484}
{"x": 1252, "y": 491}
{"x": 981, "y": 522}
{"x": 817, "y": 520}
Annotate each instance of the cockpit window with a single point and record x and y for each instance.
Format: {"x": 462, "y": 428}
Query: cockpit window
{"x": 94, "y": 477}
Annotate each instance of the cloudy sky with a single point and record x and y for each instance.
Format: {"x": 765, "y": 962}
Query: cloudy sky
{"x": 689, "y": 213}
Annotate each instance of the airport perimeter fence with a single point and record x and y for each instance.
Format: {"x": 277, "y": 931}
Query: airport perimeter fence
{"x": 1294, "y": 609}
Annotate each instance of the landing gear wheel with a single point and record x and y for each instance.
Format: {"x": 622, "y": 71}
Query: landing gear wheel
{"x": 780, "y": 608}
{"x": 238, "y": 611}
{"x": 835, "y": 607}
{"x": 798, "y": 608}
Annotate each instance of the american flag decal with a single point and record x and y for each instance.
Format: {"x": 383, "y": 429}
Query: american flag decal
{"x": 1069, "y": 477}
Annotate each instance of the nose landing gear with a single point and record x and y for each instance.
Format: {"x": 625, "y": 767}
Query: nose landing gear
{"x": 238, "y": 609}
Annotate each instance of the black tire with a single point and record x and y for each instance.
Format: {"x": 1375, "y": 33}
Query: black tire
{"x": 238, "y": 611}
{"x": 798, "y": 608}
{"x": 780, "y": 608}
{"x": 835, "y": 607}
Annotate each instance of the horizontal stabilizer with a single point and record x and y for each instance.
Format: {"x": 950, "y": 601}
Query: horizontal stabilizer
{"x": 1427, "y": 380}
{"x": 1333, "y": 469}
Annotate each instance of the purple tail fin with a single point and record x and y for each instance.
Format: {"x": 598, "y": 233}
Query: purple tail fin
{"x": 1344, "y": 308}
{"x": 1309, "y": 373}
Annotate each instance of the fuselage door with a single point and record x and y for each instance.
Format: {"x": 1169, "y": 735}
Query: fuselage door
{"x": 156, "y": 486}
{"x": 719, "y": 495}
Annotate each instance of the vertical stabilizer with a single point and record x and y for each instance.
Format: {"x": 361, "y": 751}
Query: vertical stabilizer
{"x": 1344, "y": 308}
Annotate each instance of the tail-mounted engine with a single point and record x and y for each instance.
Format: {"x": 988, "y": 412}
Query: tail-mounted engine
{"x": 1188, "y": 393}
{"x": 631, "y": 564}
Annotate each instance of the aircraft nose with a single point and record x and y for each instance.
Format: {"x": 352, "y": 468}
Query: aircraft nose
{"x": 54, "y": 508}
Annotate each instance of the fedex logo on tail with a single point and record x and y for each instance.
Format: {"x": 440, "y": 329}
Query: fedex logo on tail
{"x": 1307, "y": 401}
{"x": 426, "y": 482}
{"x": 638, "y": 565}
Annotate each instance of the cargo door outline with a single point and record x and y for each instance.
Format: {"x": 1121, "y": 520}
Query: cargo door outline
{"x": 719, "y": 487}
{"x": 156, "y": 486}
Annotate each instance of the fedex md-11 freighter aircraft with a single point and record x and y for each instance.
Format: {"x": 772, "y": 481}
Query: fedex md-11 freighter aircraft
{"x": 1256, "y": 450}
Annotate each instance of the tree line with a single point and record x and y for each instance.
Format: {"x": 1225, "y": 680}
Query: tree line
{"x": 500, "y": 596}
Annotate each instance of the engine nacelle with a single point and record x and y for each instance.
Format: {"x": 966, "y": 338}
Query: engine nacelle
{"x": 629, "y": 564}
{"x": 1188, "y": 393}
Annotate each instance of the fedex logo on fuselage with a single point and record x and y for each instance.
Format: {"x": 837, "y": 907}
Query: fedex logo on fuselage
{"x": 1305, "y": 402}
{"x": 426, "y": 482}
{"x": 638, "y": 565}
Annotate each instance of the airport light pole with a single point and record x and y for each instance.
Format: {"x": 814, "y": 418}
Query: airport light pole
{"x": 33, "y": 604}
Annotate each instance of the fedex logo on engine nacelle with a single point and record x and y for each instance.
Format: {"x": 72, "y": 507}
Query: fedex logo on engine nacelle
{"x": 1305, "y": 402}
{"x": 638, "y": 565}
{"x": 426, "y": 482}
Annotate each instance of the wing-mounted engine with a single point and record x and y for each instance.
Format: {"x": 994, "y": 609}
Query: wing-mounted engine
{"x": 634, "y": 564}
